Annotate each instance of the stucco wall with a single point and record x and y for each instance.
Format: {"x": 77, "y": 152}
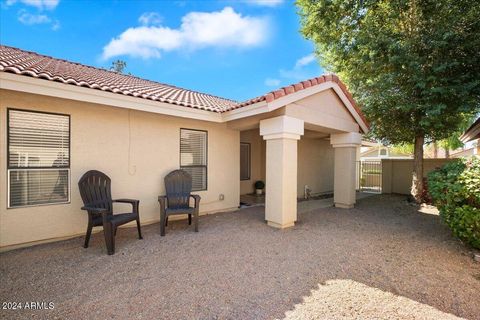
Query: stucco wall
{"x": 397, "y": 173}
{"x": 315, "y": 166}
{"x": 315, "y": 163}
{"x": 136, "y": 149}
{"x": 257, "y": 159}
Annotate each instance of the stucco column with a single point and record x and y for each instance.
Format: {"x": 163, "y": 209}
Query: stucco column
{"x": 345, "y": 149}
{"x": 281, "y": 134}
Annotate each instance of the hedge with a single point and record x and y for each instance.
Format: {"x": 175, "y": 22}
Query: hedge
{"x": 455, "y": 190}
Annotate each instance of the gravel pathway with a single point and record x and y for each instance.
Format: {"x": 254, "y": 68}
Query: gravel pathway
{"x": 383, "y": 259}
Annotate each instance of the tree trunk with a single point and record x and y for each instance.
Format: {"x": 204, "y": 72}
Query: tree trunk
{"x": 417, "y": 181}
{"x": 435, "y": 149}
{"x": 447, "y": 152}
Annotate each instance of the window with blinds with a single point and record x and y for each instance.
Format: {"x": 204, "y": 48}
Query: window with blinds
{"x": 38, "y": 158}
{"x": 193, "y": 156}
{"x": 244, "y": 161}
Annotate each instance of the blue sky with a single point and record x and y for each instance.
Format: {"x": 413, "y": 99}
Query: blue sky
{"x": 234, "y": 49}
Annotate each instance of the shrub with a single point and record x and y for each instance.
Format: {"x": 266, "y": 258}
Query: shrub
{"x": 455, "y": 190}
{"x": 259, "y": 184}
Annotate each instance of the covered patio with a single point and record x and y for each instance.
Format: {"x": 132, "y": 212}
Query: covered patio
{"x": 333, "y": 264}
{"x": 303, "y": 136}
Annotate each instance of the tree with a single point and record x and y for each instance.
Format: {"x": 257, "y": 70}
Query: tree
{"x": 118, "y": 66}
{"x": 413, "y": 65}
{"x": 403, "y": 148}
{"x": 453, "y": 141}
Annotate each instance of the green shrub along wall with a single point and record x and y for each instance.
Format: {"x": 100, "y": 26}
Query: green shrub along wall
{"x": 455, "y": 190}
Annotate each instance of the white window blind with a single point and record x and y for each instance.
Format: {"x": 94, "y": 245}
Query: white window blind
{"x": 244, "y": 161}
{"x": 38, "y": 158}
{"x": 193, "y": 156}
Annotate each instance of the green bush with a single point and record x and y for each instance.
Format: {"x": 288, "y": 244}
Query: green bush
{"x": 455, "y": 190}
{"x": 259, "y": 184}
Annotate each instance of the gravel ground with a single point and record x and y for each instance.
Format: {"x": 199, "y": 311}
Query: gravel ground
{"x": 383, "y": 259}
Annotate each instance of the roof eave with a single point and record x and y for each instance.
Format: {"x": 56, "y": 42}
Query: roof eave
{"x": 472, "y": 133}
{"x": 22, "y": 83}
{"x": 264, "y": 106}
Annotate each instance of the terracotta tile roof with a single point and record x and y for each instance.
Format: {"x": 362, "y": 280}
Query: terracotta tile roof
{"x": 39, "y": 66}
{"x": 273, "y": 95}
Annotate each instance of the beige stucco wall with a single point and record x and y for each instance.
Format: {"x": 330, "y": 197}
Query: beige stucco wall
{"x": 136, "y": 149}
{"x": 315, "y": 166}
{"x": 257, "y": 159}
{"x": 397, "y": 173}
{"x": 315, "y": 163}
{"x": 323, "y": 112}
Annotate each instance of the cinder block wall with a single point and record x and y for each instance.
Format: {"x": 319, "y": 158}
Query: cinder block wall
{"x": 397, "y": 173}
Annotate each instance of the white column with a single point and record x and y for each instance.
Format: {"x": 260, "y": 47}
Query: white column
{"x": 281, "y": 134}
{"x": 345, "y": 149}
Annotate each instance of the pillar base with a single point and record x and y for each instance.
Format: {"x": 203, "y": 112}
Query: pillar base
{"x": 344, "y": 206}
{"x": 280, "y": 226}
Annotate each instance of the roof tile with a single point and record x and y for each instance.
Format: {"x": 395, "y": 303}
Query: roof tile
{"x": 39, "y": 66}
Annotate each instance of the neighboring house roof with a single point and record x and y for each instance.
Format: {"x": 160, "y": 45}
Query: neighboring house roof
{"x": 464, "y": 153}
{"x": 34, "y": 65}
{"x": 472, "y": 133}
{"x": 373, "y": 152}
{"x": 370, "y": 143}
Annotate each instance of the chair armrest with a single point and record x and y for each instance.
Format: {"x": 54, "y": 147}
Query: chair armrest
{"x": 162, "y": 200}
{"x": 197, "y": 198}
{"x": 101, "y": 211}
{"x": 133, "y": 202}
{"x": 126, "y": 200}
{"x": 95, "y": 210}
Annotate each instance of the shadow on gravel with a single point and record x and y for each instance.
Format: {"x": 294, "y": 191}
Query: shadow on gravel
{"x": 237, "y": 267}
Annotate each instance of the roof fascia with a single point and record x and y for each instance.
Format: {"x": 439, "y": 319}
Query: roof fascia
{"x": 21, "y": 83}
{"x": 263, "y": 106}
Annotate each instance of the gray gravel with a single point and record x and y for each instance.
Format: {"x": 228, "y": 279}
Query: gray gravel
{"x": 383, "y": 259}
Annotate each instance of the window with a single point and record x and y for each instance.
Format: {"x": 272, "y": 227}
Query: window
{"x": 38, "y": 166}
{"x": 244, "y": 161}
{"x": 383, "y": 152}
{"x": 193, "y": 156}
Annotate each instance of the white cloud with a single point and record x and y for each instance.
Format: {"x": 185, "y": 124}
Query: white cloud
{"x": 225, "y": 28}
{"x": 272, "y": 82}
{"x": 303, "y": 61}
{"x": 39, "y": 4}
{"x": 297, "y": 73}
{"x": 266, "y": 3}
{"x": 150, "y": 18}
{"x": 55, "y": 25}
{"x": 31, "y": 19}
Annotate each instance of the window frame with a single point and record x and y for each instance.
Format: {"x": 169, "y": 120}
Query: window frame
{"x": 10, "y": 168}
{"x": 249, "y": 161}
{"x": 194, "y": 166}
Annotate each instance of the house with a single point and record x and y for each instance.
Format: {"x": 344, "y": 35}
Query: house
{"x": 61, "y": 119}
{"x": 471, "y": 137}
{"x": 377, "y": 151}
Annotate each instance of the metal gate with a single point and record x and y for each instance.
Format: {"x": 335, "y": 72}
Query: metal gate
{"x": 369, "y": 175}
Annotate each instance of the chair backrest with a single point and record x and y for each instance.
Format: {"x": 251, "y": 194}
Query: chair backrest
{"x": 95, "y": 190}
{"x": 178, "y": 186}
